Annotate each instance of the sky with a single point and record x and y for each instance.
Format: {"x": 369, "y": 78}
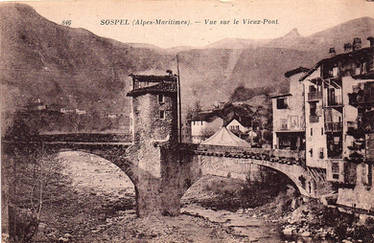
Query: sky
{"x": 308, "y": 16}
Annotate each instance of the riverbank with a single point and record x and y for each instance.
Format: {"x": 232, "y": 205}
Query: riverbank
{"x": 91, "y": 200}
{"x": 314, "y": 220}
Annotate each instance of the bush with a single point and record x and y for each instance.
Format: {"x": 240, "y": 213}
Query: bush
{"x": 23, "y": 224}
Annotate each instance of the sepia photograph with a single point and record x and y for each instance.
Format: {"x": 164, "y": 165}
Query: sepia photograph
{"x": 187, "y": 121}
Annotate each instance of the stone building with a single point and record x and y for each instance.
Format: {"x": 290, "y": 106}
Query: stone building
{"x": 339, "y": 102}
{"x": 155, "y": 130}
{"x": 288, "y": 114}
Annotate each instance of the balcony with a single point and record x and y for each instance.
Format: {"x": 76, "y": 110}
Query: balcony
{"x": 333, "y": 126}
{"x": 334, "y": 102}
{"x": 356, "y": 99}
{"x": 313, "y": 119}
{"x": 314, "y": 96}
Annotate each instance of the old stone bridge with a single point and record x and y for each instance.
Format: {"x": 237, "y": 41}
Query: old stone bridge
{"x": 159, "y": 165}
{"x": 162, "y": 171}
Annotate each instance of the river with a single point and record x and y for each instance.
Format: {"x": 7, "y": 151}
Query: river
{"x": 99, "y": 207}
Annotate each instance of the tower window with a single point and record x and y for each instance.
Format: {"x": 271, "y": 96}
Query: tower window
{"x": 162, "y": 114}
{"x": 161, "y": 99}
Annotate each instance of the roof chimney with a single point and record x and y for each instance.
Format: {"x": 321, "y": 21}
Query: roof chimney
{"x": 332, "y": 51}
{"x": 371, "y": 40}
{"x": 356, "y": 44}
{"x": 347, "y": 47}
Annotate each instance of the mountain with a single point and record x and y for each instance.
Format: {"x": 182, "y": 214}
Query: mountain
{"x": 237, "y": 43}
{"x": 74, "y": 68}
{"x": 70, "y": 67}
{"x": 320, "y": 42}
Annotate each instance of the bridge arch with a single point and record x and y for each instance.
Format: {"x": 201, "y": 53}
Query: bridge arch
{"x": 304, "y": 181}
{"x": 114, "y": 156}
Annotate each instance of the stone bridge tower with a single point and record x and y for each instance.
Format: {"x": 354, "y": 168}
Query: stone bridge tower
{"x": 155, "y": 136}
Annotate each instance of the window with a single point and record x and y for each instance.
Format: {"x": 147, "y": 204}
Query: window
{"x": 162, "y": 114}
{"x": 282, "y": 103}
{"x": 311, "y": 131}
{"x": 313, "y": 109}
{"x": 321, "y": 154}
{"x": 284, "y": 123}
{"x": 160, "y": 99}
{"x": 311, "y": 152}
{"x": 335, "y": 170}
{"x": 234, "y": 127}
{"x": 321, "y": 130}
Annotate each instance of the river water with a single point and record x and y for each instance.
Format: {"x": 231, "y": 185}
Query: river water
{"x": 89, "y": 173}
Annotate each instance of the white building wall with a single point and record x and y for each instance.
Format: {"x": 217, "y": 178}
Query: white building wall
{"x": 315, "y": 132}
{"x": 293, "y": 115}
{"x": 235, "y": 125}
{"x": 199, "y": 127}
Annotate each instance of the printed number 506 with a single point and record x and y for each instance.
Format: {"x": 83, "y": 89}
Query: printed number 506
{"x": 66, "y": 22}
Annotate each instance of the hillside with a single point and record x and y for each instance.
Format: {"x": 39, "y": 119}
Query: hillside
{"x": 75, "y": 68}
{"x": 320, "y": 42}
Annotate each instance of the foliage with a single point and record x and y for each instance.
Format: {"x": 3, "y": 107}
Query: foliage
{"x": 207, "y": 132}
{"x": 31, "y": 173}
{"x": 242, "y": 93}
{"x": 193, "y": 111}
{"x": 258, "y": 189}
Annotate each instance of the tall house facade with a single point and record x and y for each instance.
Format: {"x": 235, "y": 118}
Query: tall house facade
{"x": 339, "y": 112}
{"x": 288, "y": 114}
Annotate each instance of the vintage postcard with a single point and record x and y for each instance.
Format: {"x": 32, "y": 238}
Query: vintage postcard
{"x": 187, "y": 121}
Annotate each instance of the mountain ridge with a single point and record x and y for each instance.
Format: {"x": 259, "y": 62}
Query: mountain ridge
{"x": 75, "y": 68}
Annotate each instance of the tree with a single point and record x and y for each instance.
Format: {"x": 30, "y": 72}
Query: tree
{"x": 193, "y": 111}
{"x": 31, "y": 174}
{"x": 207, "y": 132}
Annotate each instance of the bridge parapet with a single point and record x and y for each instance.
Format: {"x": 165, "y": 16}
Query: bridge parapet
{"x": 278, "y": 155}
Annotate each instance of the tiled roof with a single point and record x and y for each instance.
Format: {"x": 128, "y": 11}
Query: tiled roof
{"x": 342, "y": 56}
{"x": 281, "y": 95}
{"x": 296, "y": 71}
{"x": 154, "y": 78}
{"x": 204, "y": 116}
{"x": 162, "y": 87}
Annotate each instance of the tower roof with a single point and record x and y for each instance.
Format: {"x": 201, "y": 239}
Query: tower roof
{"x": 154, "y": 78}
{"x": 160, "y": 88}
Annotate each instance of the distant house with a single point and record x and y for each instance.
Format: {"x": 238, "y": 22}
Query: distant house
{"x": 236, "y": 127}
{"x": 80, "y": 112}
{"x": 203, "y": 125}
{"x": 65, "y": 110}
{"x": 38, "y": 105}
{"x": 112, "y": 116}
{"x": 54, "y": 107}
